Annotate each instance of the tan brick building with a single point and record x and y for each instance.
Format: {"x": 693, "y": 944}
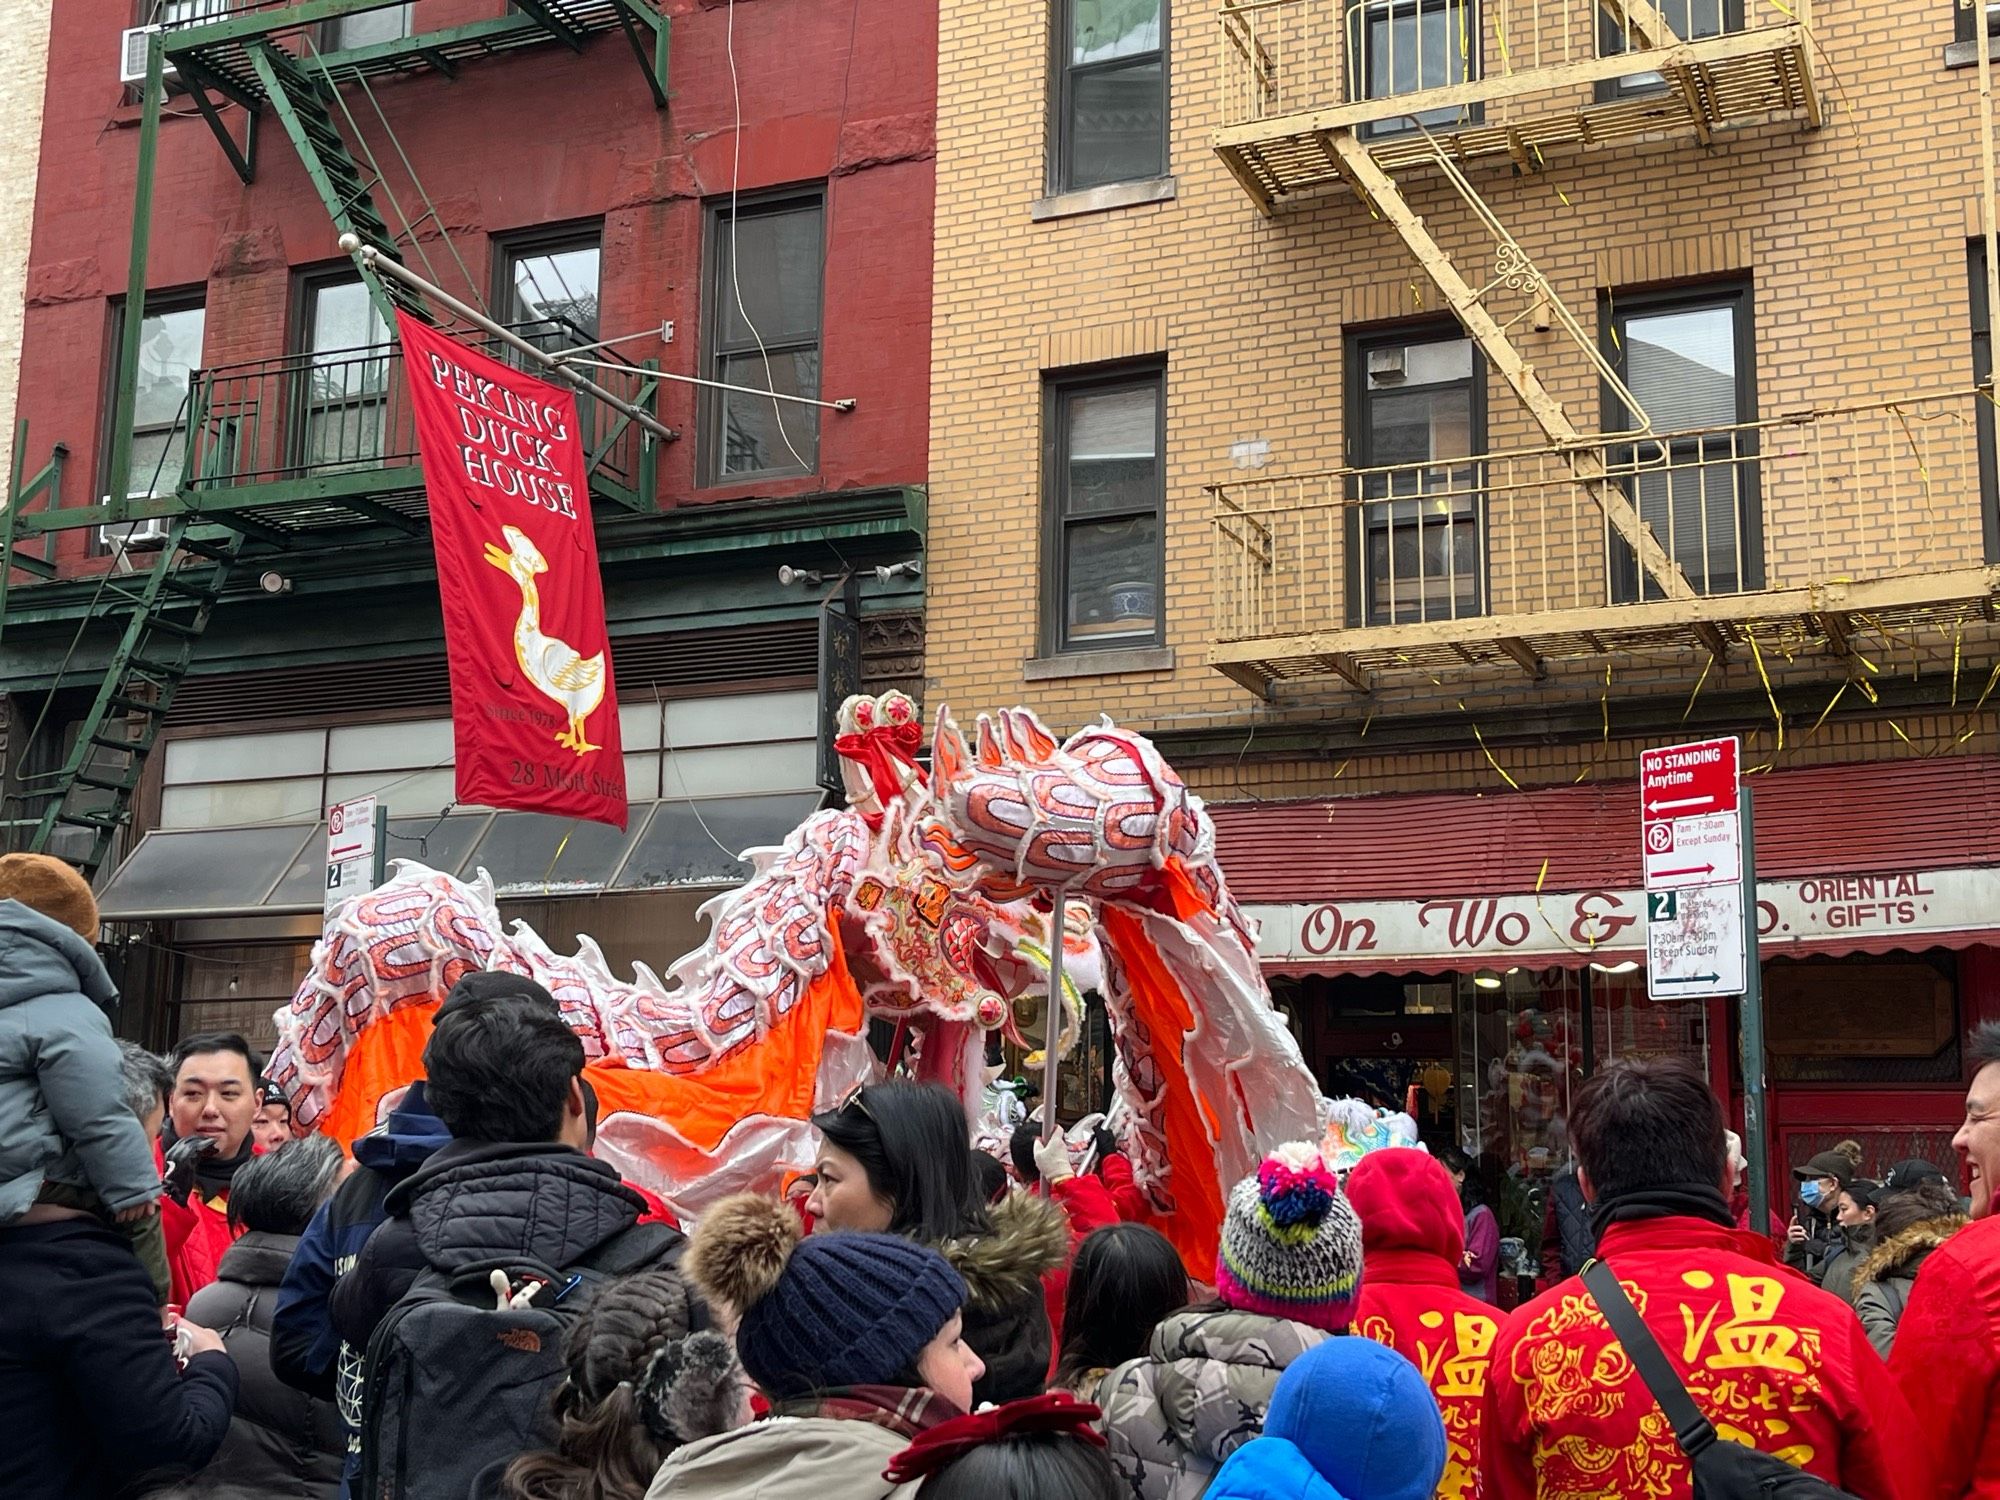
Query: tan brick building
{"x": 24, "y": 56}
{"x": 1211, "y": 452}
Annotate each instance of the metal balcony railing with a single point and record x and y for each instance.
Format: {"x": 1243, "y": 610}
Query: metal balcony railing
{"x": 312, "y": 416}
{"x": 1507, "y": 77}
{"x": 1435, "y": 565}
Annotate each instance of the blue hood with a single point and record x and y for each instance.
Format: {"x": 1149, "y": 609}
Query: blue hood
{"x": 407, "y": 1138}
{"x": 39, "y": 956}
{"x": 1351, "y": 1419}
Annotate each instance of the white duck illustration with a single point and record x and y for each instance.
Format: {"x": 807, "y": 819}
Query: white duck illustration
{"x": 559, "y": 670}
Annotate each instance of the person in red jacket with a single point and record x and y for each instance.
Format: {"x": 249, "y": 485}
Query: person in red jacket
{"x": 1091, "y": 1200}
{"x": 209, "y": 1119}
{"x": 1412, "y": 1244}
{"x": 1771, "y": 1360}
{"x": 1947, "y": 1353}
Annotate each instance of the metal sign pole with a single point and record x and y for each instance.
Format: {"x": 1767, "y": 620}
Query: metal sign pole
{"x": 1756, "y": 1132}
{"x": 1052, "y": 1018}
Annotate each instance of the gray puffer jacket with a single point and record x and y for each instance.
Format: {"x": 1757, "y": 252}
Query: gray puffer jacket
{"x": 62, "y": 1101}
{"x": 1198, "y": 1394}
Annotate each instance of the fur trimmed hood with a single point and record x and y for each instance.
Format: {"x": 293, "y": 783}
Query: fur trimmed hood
{"x": 1901, "y": 1254}
{"x": 1029, "y": 1238}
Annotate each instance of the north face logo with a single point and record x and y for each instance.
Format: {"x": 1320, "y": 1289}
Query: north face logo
{"x": 521, "y": 1340}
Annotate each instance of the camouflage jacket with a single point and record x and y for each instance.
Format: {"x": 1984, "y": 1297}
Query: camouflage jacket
{"x": 1199, "y": 1393}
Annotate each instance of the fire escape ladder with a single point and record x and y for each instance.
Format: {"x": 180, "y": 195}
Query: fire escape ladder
{"x": 1515, "y": 271}
{"x": 304, "y": 100}
{"x": 168, "y": 612}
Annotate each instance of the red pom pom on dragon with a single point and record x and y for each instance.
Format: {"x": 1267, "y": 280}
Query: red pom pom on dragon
{"x": 928, "y": 901}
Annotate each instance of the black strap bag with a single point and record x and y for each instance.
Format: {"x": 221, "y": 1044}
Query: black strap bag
{"x": 1722, "y": 1471}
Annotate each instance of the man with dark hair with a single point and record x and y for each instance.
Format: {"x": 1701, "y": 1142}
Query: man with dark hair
{"x": 1947, "y": 1352}
{"x": 505, "y": 1077}
{"x": 1772, "y": 1361}
{"x": 206, "y": 1140}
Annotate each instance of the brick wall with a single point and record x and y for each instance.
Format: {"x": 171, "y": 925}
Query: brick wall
{"x": 1853, "y": 238}
{"x": 24, "y": 50}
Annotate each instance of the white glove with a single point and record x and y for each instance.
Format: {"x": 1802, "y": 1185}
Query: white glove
{"x": 1052, "y": 1159}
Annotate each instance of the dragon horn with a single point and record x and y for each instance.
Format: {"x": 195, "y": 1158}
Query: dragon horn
{"x": 948, "y": 753}
{"x": 1032, "y": 743}
{"x": 992, "y": 753}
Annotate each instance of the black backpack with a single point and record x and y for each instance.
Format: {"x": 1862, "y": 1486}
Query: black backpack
{"x": 1722, "y": 1471}
{"x": 453, "y": 1386}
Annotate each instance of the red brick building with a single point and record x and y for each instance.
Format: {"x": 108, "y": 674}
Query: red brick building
{"x": 752, "y": 181}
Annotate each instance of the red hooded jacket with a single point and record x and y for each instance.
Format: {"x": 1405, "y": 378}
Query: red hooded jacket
{"x": 1093, "y": 1201}
{"x": 1773, "y": 1361}
{"x": 1412, "y": 1241}
{"x": 1947, "y": 1359}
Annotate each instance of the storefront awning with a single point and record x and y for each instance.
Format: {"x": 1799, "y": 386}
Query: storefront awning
{"x": 273, "y": 869}
{"x": 1853, "y": 859}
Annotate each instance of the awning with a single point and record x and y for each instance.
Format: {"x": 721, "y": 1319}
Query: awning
{"x": 273, "y": 869}
{"x": 1852, "y": 859}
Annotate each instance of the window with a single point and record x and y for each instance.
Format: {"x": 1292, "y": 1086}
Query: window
{"x": 763, "y": 331}
{"x": 1686, "y": 357}
{"x": 1106, "y": 489}
{"x": 183, "y": 12}
{"x": 169, "y": 353}
{"x": 548, "y": 287}
{"x": 1962, "y": 20}
{"x": 1420, "y": 404}
{"x": 389, "y": 24}
{"x": 1111, "y": 93}
{"x": 1982, "y": 372}
{"x": 1688, "y": 18}
{"x": 344, "y": 376}
{"x": 1405, "y": 46}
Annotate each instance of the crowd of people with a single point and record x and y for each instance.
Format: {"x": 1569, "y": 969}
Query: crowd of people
{"x": 469, "y": 1305}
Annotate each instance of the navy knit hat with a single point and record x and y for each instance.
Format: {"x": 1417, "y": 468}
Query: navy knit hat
{"x": 838, "y": 1309}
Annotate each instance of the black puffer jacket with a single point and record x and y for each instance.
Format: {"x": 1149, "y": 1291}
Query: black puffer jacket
{"x": 282, "y": 1443}
{"x": 1006, "y": 1315}
{"x": 480, "y": 1201}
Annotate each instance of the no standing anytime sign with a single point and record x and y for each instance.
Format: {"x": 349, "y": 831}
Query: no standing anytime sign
{"x": 1692, "y": 853}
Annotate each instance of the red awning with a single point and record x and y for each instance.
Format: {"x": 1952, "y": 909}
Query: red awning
{"x": 1834, "y": 820}
{"x": 1838, "y": 850}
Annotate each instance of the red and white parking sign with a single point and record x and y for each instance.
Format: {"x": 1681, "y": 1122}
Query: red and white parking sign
{"x": 1687, "y": 815}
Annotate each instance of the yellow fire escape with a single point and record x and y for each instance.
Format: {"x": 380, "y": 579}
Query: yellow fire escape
{"x": 1326, "y": 96}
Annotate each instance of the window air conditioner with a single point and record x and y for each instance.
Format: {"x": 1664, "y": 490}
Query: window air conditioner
{"x": 132, "y": 55}
{"x": 149, "y": 535}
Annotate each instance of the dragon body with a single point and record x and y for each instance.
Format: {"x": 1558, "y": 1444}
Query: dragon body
{"x": 930, "y": 901}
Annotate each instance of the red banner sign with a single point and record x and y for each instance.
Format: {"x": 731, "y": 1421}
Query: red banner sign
{"x": 534, "y": 714}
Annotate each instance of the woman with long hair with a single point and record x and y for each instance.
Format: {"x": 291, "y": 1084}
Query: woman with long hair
{"x": 1124, "y": 1280}
{"x": 896, "y": 1158}
{"x": 646, "y": 1375}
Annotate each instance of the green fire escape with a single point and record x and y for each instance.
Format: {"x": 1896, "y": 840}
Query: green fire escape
{"x": 268, "y": 471}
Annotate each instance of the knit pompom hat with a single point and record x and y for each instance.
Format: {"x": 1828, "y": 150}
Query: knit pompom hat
{"x": 1291, "y": 1243}
{"x": 52, "y": 888}
{"x": 838, "y": 1309}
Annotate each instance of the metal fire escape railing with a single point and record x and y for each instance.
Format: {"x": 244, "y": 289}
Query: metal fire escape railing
{"x": 1505, "y": 561}
{"x": 299, "y": 449}
{"x": 1320, "y": 93}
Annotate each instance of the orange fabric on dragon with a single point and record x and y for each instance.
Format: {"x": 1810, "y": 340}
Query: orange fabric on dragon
{"x": 1162, "y": 1011}
{"x": 774, "y": 1077}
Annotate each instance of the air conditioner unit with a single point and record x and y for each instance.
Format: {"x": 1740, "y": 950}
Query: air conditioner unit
{"x": 132, "y": 55}
{"x": 149, "y": 535}
{"x": 1386, "y": 365}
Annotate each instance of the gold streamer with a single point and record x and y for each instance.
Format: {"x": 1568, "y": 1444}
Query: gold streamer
{"x": 1710, "y": 662}
{"x": 1957, "y": 655}
{"x": 1897, "y": 729}
{"x": 554, "y": 858}
{"x": 1758, "y": 656}
{"x": 1831, "y": 704}
{"x": 1498, "y": 768}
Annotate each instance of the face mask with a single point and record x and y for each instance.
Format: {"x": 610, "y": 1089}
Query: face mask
{"x": 1812, "y": 1194}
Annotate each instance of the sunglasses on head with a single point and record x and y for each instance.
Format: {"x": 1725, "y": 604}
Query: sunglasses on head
{"x": 854, "y": 1100}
